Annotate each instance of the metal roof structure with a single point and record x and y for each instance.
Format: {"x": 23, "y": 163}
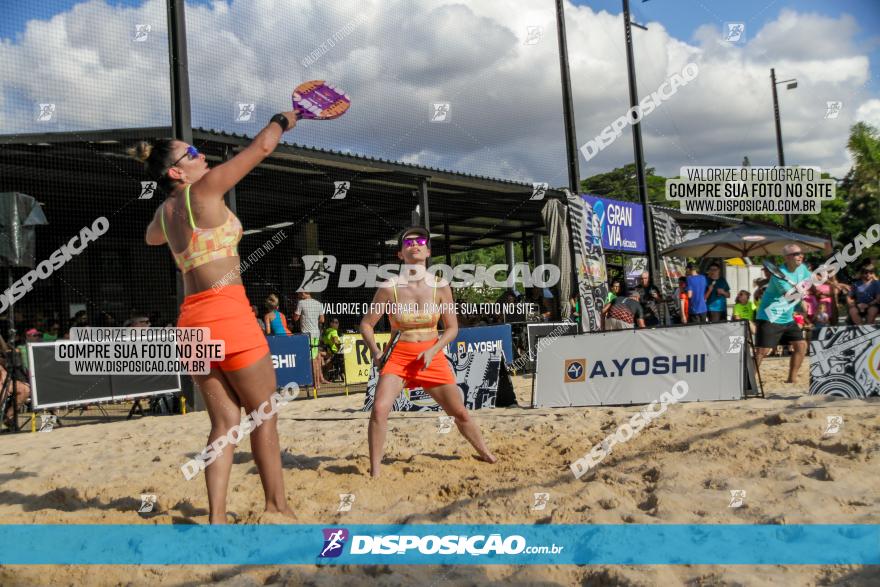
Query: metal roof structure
{"x": 467, "y": 211}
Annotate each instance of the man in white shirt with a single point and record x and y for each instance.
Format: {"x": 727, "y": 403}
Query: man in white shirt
{"x": 310, "y": 315}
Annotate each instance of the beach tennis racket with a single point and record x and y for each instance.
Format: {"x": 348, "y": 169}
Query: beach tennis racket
{"x": 318, "y": 100}
{"x": 388, "y": 350}
{"x": 776, "y": 272}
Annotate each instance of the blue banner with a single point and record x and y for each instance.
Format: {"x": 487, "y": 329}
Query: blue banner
{"x": 291, "y": 359}
{"x": 483, "y": 339}
{"x": 356, "y": 544}
{"x": 622, "y": 223}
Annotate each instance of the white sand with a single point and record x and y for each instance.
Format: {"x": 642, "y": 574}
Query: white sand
{"x": 679, "y": 470}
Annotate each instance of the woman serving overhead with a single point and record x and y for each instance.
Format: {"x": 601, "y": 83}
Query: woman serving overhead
{"x": 417, "y": 360}
{"x": 203, "y": 234}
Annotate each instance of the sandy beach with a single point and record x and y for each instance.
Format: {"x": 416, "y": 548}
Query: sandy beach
{"x": 680, "y": 469}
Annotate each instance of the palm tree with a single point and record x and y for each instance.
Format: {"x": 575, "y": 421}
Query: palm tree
{"x": 862, "y": 184}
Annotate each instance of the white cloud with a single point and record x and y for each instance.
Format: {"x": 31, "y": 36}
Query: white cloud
{"x": 869, "y": 112}
{"x": 400, "y": 56}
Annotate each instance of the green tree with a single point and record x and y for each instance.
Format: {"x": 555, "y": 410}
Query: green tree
{"x": 622, "y": 184}
{"x": 826, "y": 222}
{"x": 487, "y": 257}
{"x": 861, "y": 186}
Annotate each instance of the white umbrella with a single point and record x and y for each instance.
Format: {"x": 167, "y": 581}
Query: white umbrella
{"x": 746, "y": 240}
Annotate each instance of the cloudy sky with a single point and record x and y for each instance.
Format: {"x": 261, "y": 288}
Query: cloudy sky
{"x": 494, "y": 62}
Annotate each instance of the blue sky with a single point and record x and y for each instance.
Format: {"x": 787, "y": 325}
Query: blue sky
{"x": 682, "y": 17}
{"x": 472, "y": 53}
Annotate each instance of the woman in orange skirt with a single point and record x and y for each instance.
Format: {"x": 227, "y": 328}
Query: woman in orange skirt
{"x": 417, "y": 360}
{"x": 203, "y": 235}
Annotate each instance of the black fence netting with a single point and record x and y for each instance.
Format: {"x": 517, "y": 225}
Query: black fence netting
{"x": 432, "y": 87}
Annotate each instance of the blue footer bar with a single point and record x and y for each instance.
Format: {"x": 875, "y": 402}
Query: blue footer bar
{"x": 630, "y": 544}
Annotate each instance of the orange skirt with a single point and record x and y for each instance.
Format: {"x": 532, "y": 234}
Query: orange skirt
{"x": 404, "y": 363}
{"x": 227, "y": 312}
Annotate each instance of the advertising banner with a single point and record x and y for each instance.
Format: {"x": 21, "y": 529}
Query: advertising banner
{"x": 667, "y": 232}
{"x": 622, "y": 224}
{"x": 357, "y": 356}
{"x": 52, "y": 384}
{"x": 634, "y": 366}
{"x": 550, "y": 329}
{"x": 484, "y": 338}
{"x": 589, "y": 259}
{"x": 291, "y": 359}
{"x": 845, "y": 361}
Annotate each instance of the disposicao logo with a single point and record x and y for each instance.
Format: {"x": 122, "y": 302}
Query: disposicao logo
{"x": 334, "y": 542}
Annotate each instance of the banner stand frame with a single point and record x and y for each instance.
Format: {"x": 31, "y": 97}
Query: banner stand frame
{"x": 751, "y": 355}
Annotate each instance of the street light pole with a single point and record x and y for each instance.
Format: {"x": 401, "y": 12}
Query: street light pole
{"x": 637, "y": 144}
{"x": 571, "y": 152}
{"x": 792, "y": 83}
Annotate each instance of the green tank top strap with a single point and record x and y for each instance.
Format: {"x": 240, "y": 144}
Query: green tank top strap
{"x": 189, "y": 211}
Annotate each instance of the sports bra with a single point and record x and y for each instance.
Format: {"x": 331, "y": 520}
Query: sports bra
{"x": 206, "y": 244}
{"x": 414, "y": 321}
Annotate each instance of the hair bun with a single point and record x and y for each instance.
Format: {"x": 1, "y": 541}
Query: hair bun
{"x": 141, "y": 151}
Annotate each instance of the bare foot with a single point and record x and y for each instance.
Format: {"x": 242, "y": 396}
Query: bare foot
{"x": 277, "y": 517}
{"x": 487, "y": 458}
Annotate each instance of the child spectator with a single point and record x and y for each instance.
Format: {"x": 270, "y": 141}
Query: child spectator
{"x": 822, "y": 317}
{"x": 744, "y": 308}
{"x": 683, "y": 300}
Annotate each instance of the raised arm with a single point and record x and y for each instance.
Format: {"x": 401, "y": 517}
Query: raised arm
{"x": 154, "y": 235}
{"x": 222, "y": 178}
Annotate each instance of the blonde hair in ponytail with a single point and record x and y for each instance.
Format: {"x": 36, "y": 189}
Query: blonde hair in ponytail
{"x": 141, "y": 151}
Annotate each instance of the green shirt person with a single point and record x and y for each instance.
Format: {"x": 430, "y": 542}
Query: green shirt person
{"x": 744, "y": 308}
{"x": 330, "y": 337}
{"x": 613, "y": 291}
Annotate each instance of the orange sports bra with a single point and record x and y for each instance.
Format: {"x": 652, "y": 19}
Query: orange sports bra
{"x": 206, "y": 244}
{"x": 414, "y": 321}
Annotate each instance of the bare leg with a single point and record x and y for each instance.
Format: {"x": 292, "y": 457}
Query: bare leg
{"x": 797, "y": 357}
{"x": 871, "y": 315}
{"x": 318, "y": 373}
{"x": 760, "y": 353}
{"x": 855, "y": 316}
{"x": 225, "y": 412}
{"x": 449, "y": 398}
{"x": 254, "y": 385}
{"x": 387, "y": 390}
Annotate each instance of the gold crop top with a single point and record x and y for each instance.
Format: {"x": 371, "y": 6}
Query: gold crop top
{"x": 415, "y": 321}
{"x": 206, "y": 244}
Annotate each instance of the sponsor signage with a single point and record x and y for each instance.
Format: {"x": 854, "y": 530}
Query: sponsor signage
{"x": 633, "y": 366}
{"x": 291, "y": 359}
{"x": 622, "y": 224}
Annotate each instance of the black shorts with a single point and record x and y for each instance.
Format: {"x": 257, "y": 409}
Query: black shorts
{"x": 717, "y": 316}
{"x": 770, "y": 335}
{"x": 698, "y": 318}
